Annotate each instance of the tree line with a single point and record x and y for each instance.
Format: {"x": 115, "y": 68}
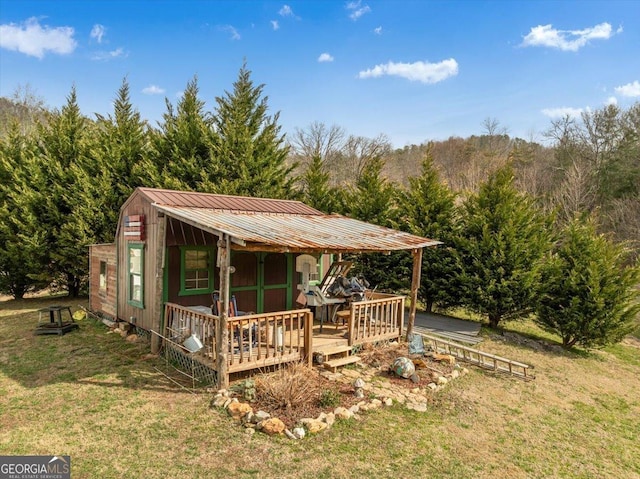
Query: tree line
{"x": 526, "y": 228}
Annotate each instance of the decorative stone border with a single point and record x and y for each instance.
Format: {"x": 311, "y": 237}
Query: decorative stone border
{"x": 385, "y": 394}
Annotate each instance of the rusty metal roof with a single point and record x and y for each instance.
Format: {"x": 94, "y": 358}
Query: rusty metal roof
{"x": 297, "y": 232}
{"x": 225, "y": 202}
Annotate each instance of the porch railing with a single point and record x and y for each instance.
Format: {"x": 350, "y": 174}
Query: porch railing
{"x": 255, "y": 340}
{"x": 379, "y": 317}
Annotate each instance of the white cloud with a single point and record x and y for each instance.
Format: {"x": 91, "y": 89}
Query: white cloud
{"x": 97, "y": 32}
{"x": 562, "y": 112}
{"x": 424, "y": 72}
{"x": 153, "y": 90}
{"x": 275, "y": 24}
{"x": 377, "y": 30}
{"x": 286, "y": 11}
{"x": 356, "y": 9}
{"x": 325, "y": 57}
{"x": 35, "y": 40}
{"x": 567, "y": 40}
{"x": 110, "y": 55}
{"x": 231, "y": 31}
{"x": 630, "y": 89}
{"x": 612, "y": 100}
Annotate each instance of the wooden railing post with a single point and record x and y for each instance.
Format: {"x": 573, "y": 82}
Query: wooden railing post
{"x": 222, "y": 336}
{"x": 308, "y": 338}
{"x": 415, "y": 284}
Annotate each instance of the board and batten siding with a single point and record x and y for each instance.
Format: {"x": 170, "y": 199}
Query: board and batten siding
{"x": 148, "y": 316}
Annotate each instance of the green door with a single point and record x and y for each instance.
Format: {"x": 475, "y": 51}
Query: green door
{"x": 262, "y": 282}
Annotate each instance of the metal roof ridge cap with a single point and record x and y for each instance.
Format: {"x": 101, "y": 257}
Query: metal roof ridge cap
{"x": 147, "y": 188}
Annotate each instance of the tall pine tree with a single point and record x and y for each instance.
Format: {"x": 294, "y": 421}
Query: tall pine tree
{"x": 122, "y": 143}
{"x": 429, "y": 210}
{"x": 502, "y": 240}
{"x": 180, "y": 156}
{"x": 19, "y": 266}
{"x": 316, "y": 190}
{"x": 373, "y": 199}
{"x": 251, "y": 153}
{"x": 53, "y": 196}
{"x": 589, "y": 294}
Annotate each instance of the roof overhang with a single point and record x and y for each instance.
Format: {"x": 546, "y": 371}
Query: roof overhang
{"x": 296, "y": 233}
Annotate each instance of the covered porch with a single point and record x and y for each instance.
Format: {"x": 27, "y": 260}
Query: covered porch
{"x": 231, "y": 343}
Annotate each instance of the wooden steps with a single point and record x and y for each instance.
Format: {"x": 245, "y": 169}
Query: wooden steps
{"x": 333, "y": 364}
{"x": 334, "y": 356}
{"x": 334, "y": 350}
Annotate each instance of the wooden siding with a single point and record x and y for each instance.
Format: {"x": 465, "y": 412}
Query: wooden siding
{"x": 102, "y": 300}
{"x": 146, "y": 317}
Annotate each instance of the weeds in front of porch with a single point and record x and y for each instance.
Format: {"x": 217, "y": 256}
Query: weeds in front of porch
{"x": 290, "y": 385}
{"x": 329, "y": 398}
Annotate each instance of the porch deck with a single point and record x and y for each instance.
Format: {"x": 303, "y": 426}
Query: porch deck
{"x": 258, "y": 341}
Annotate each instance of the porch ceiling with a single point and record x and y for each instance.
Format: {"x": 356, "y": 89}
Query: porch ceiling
{"x": 297, "y": 232}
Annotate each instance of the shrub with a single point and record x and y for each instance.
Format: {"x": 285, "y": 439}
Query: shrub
{"x": 289, "y": 386}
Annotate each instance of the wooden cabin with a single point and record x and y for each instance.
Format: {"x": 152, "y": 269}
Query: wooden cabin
{"x": 229, "y": 277}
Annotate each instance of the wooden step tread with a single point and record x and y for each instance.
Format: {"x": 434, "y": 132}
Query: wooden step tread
{"x": 334, "y": 364}
{"x": 331, "y": 350}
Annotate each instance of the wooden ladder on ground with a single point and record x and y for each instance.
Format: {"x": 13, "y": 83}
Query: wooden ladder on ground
{"x": 479, "y": 358}
{"x": 337, "y": 356}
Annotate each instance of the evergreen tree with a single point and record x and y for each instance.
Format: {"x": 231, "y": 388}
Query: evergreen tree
{"x": 502, "y": 239}
{"x": 18, "y": 263}
{"x": 122, "y": 143}
{"x": 588, "y": 295}
{"x": 180, "y": 156}
{"x": 316, "y": 190}
{"x": 373, "y": 199}
{"x": 429, "y": 211}
{"x": 251, "y": 153}
{"x": 53, "y": 195}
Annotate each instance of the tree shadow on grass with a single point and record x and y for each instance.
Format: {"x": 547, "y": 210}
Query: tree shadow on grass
{"x": 535, "y": 342}
{"x": 88, "y": 355}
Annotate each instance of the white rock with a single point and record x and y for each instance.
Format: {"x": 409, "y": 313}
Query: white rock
{"x": 298, "y": 432}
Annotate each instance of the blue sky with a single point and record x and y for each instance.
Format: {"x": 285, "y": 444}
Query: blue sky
{"x": 412, "y": 70}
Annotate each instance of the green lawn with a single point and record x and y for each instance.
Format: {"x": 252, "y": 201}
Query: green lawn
{"x": 95, "y": 397}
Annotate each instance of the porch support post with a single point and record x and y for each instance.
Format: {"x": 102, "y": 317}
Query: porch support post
{"x": 158, "y": 309}
{"x": 222, "y": 332}
{"x": 415, "y": 284}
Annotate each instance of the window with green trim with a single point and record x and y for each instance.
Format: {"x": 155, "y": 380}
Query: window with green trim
{"x": 135, "y": 284}
{"x": 196, "y": 270}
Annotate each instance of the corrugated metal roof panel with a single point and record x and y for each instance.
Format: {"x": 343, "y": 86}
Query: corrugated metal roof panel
{"x": 225, "y": 202}
{"x": 299, "y": 232}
